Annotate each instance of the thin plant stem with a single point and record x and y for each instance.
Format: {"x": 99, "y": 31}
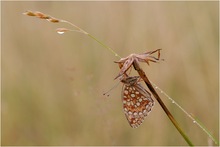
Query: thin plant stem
{"x": 149, "y": 85}
{"x": 199, "y": 123}
{"x": 195, "y": 120}
{"x": 91, "y": 36}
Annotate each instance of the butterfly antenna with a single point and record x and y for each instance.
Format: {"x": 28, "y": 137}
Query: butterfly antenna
{"x": 107, "y": 93}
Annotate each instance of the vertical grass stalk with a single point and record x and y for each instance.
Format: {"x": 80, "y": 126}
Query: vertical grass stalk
{"x": 151, "y": 88}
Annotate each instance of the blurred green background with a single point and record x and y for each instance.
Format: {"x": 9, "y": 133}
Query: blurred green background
{"x": 53, "y": 85}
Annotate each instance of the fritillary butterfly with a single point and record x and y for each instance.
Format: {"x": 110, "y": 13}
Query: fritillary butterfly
{"x": 137, "y": 102}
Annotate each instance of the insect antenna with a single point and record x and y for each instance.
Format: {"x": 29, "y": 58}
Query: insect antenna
{"x": 107, "y": 93}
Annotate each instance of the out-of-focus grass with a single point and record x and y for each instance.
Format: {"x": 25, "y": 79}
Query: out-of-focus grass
{"x": 52, "y": 84}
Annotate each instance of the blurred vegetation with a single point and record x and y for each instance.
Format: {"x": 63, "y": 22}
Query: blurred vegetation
{"x": 52, "y": 84}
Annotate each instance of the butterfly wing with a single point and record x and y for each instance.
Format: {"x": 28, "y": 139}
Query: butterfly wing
{"x": 137, "y": 103}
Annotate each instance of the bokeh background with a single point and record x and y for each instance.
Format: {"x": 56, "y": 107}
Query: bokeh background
{"x": 53, "y": 85}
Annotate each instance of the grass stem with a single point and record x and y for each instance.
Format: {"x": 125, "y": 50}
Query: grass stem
{"x": 149, "y": 85}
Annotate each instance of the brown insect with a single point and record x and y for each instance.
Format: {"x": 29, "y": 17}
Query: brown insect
{"x": 137, "y": 102}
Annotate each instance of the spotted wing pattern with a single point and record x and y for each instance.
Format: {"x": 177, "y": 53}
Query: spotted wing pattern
{"x": 137, "y": 102}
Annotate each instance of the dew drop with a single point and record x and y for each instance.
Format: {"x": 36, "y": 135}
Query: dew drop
{"x": 194, "y": 121}
{"x": 173, "y": 101}
{"x": 60, "y": 32}
{"x": 156, "y": 87}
